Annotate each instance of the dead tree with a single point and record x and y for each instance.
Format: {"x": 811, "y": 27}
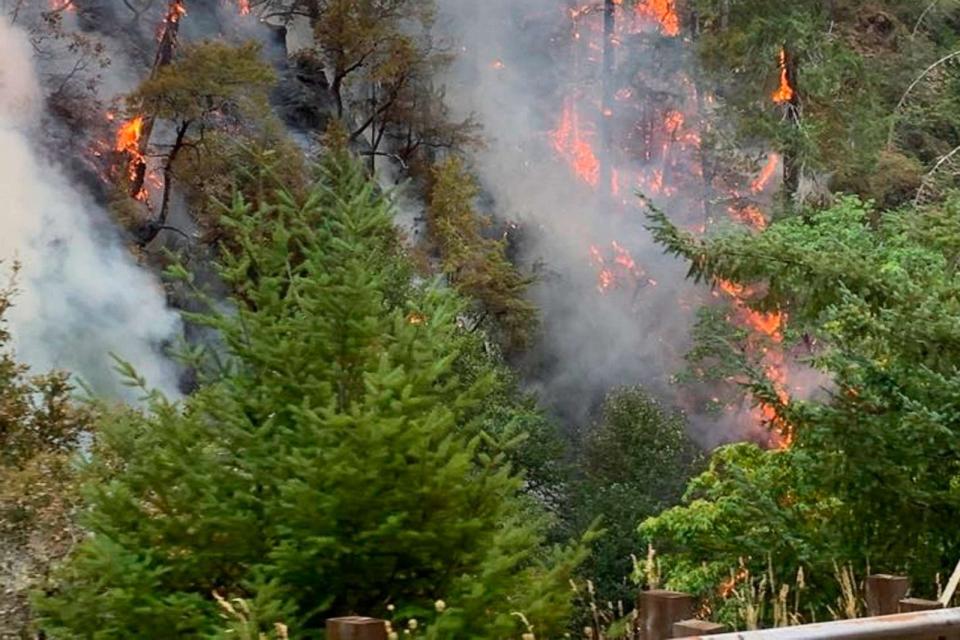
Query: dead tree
{"x": 165, "y": 51}
{"x": 792, "y": 165}
{"x": 606, "y": 115}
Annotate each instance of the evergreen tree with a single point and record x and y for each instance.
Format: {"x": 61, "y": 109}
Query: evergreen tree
{"x": 848, "y": 64}
{"x": 477, "y": 265}
{"x": 332, "y": 467}
{"x": 871, "y": 477}
{"x": 632, "y": 463}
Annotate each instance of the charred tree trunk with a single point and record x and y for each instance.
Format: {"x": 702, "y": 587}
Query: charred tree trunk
{"x": 374, "y": 141}
{"x": 165, "y": 51}
{"x": 154, "y": 227}
{"x": 606, "y": 115}
{"x": 791, "y": 162}
{"x": 336, "y": 89}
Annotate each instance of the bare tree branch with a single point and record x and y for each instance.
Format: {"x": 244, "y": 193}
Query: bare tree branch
{"x": 923, "y": 15}
{"x": 913, "y": 85}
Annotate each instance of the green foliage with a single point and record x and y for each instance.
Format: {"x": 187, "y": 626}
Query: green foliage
{"x": 250, "y": 162}
{"x": 634, "y": 462}
{"x": 39, "y": 430}
{"x": 477, "y": 266}
{"x": 752, "y": 505}
{"x": 207, "y": 79}
{"x": 335, "y": 461}
{"x": 851, "y": 63}
{"x": 872, "y": 475}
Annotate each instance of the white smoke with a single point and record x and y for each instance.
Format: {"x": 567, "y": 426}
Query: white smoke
{"x": 81, "y": 297}
{"x": 510, "y": 71}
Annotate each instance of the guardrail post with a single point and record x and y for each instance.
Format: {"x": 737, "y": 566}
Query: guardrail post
{"x": 356, "y": 628}
{"x": 695, "y": 628}
{"x": 660, "y": 609}
{"x": 884, "y": 593}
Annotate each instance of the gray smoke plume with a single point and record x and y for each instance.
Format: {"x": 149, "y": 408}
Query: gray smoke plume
{"x": 81, "y": 297}
{"x": 513, "y": 70}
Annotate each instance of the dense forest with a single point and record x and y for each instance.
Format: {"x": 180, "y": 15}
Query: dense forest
{"x": 480, "y": 318}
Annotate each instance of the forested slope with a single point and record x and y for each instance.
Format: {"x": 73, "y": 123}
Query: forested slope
{"x": 486, "y": 317}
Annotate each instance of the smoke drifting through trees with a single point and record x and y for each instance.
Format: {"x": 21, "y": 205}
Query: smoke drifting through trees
{"x": 520, "y": 66}
{"x": 81, "y": 297}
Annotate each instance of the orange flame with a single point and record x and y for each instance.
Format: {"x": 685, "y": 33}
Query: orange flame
{"x": 244, "y": 6}
{"x": 749, "y": 215}
{"x": 176, "y": 11}
{"x": 784, "y": 92}
{"x": 730, "y": 585}
{"x": 620, "y": 267}
{"x": 570, "y": 141}
{"x": 128, "y": 142}
{"x": 771, "y": 326}
{"x": 128, "y": 136}
{"x": 768, "y": 171}
{"x": 661, "y": 12}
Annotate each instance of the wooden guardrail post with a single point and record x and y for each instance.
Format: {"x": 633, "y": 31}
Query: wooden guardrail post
{"x": 884, "y": 593}
{"x": 660, "y": 609}
{"x": 696, "y": 628}
{"x": 356, "y": 628}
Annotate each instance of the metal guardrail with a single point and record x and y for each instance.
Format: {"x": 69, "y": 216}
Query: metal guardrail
{"x": 917, "y": 625}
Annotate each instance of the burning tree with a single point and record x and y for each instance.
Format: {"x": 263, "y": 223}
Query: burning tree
{"x": 211, "y": 85}
{"x": 819, "y": 82}
{"x": 133, "y": 138}
{"x": 871, "y": 298}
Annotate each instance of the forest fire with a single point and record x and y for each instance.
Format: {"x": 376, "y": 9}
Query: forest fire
{"x": 618, "y": 270}
{"x": 729, "y": 585}
{"x": 244, "y": 7}
{"x": 579, "y": 136}
{"x": 128, "y": 142}
{"x": 766, "y": 174}
{"x": 62, "y": 5}
{"x": 128, "y": 136}
{"x": 661, "y": 12}
{"x": 657, "y": 150}
{"x": 749, "y": 215}
{"x": 571, "y": 141}
{"x": 785, "y": 92}
{"x": 765, "y": 339}
{"x": 175, "y": 11}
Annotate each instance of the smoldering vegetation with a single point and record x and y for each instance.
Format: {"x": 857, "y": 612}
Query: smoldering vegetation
{"x": 81, "y": 297}
{"x": 615, "y": 310}
{"x": 572, "y": 131}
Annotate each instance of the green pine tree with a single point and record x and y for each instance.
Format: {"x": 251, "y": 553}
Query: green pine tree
{"x": 335, "y": 462}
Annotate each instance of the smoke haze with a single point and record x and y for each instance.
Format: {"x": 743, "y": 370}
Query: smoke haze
{"x": 80, "y": 295}
{"x": 514, "y": 70}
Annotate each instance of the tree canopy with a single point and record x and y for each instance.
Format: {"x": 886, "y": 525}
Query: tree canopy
{"x": 334, "y": 464}
{"x": 871, "y": 476}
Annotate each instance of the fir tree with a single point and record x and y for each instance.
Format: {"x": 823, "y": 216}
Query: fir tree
{"x": 334, "y": 463}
